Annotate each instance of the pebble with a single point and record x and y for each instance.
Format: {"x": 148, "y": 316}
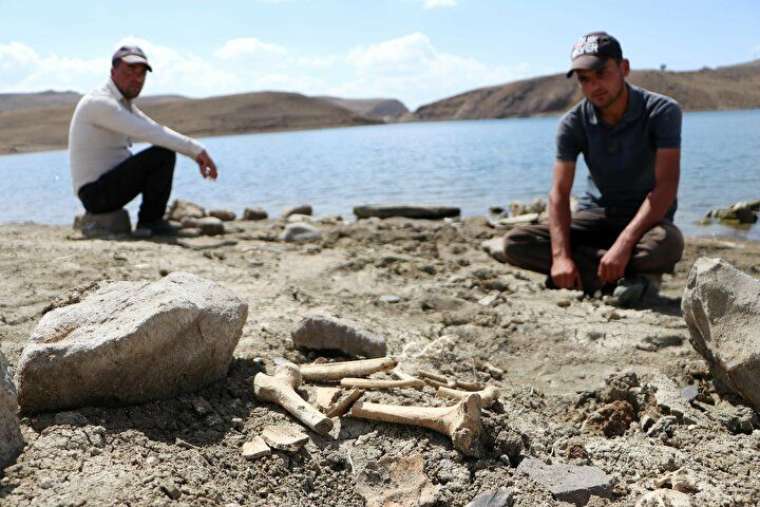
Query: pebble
{"x": 390, "y": 299}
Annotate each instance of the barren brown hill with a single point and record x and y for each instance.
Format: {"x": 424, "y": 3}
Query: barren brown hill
{"x": 382, "y": 109}
{"x": 734, "y": 87}
{"x": 45, "y": 128}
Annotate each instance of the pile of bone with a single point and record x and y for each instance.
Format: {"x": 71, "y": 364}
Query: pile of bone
{"x": 351, "y": 379}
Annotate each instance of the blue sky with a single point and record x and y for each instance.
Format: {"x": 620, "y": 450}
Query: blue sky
{"x": 414, "y": 50}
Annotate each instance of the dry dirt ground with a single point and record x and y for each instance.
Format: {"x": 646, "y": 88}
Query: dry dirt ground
{"x": 456, "y": 311}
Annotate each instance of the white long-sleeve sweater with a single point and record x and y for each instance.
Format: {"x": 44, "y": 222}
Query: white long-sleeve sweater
{"x": 103, "y": 128}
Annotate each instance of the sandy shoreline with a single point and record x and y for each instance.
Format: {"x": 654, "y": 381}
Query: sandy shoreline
{"x": 457, "y": 304}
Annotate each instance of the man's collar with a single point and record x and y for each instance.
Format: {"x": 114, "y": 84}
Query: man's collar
{"x": 632, "y": 110}
{"x": 116, "y": 93}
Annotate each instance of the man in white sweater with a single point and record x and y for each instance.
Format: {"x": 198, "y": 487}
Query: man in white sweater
{"x": 104, "y": 172}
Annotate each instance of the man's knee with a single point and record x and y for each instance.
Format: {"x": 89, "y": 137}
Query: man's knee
{"x": 166, "y": 157}
{"x": 520, "y": 246}
{"x": 661, "y": 248}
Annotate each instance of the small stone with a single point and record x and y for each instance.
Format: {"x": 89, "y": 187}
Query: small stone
{"x": 390, "y": 299}
{"x": 171, "y": 490}
{"x": 300, "y": 232}
{"x": 501, "y": 497}
{"x": 190, "y": 232}
{"x": 490, "y": 299}
{"x": 209, "y": 226}
{"x": 669, "y": 398}
{"x": 256, "y": 448}
{"x": 180, "y": 209}
{"x": 564, "y": 303}
{"x": 284, "y": 438}
{"x": 690, "y": 392}
{"x": 223, "y": 215}
{"x": 255, "y": 214}
{"x": 568, "y": 483}
{"x": 324, "y": 332}
{"x": 201, "y": 406}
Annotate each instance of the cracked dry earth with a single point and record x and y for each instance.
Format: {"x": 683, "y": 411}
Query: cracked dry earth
{"x": 574, "y": 376}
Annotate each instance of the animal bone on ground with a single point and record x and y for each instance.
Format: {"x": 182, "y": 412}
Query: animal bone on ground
{"x": 281, "y": 389}
{"x": 461, "y": 422}
{"x": 341, "y": 406}
{"x": 323, "y": 372}
{"x": 436, "y": 380}
{"x": 487, "y": 396}
{"x": 370, "y": 383}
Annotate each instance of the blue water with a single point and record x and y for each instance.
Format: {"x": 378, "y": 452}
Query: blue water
{"x": 470, "y": 164}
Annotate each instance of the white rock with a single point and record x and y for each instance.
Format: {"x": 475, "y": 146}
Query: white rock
{"x": 11, "y": 441}
{"x": 721, "y": 306}
{"x": 181, "y": 209}
{"x": 256, "y": 448}
{"x": 284, "y": 438}
{"x": 130, "y": 342}
{"x": 301, "y": 232}
{"x": 664, "y": 498}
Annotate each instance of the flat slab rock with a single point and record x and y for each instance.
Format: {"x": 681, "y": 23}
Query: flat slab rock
{"x": 721, "y": 307}
{"x": 324, "y": 332}
{"x": 568, "y": 483}
{"x": 131, "y": 342}
{"x": 407, "y": 211}
{"x": 284, "y": 438}
{"x": 103, "y": 224}
{"x": 501, "y": 497}
{"x": 11, "y": 441}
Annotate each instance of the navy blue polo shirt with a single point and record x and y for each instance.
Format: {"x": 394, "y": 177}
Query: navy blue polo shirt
{"x": 621, "y": 159}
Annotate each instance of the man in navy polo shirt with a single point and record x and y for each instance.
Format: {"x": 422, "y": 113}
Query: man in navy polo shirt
{"x": 622, "y": 238}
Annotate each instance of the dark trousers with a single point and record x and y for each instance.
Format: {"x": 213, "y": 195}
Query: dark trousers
{"x": 592, "y": 233}
{"x": 149, "y": 173}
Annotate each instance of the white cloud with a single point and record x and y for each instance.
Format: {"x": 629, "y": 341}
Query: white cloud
{"x": 435, "y": 4}
{"x": 248, "y": 47}
{"x": 410, "y": 68}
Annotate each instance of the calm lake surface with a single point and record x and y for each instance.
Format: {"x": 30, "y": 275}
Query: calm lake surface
{"x": 470, "y": 164}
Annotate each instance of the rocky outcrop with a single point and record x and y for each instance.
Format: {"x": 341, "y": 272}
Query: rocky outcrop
{"x": 721, "y": 306}
{"x": 130, "y": 342}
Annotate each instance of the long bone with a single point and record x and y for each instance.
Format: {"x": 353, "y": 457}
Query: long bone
{"x": 461, "y": 422}
{"x": 335, "y": 371}
{"x": 487, "y": 396}
{"x": 436, "y": 380}
{"x": 281, "y": 389}
{"x": 370, "y": 383}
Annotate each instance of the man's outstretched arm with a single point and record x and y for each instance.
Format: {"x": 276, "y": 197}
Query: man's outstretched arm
{"x": 564, "y": 272}
{"x": 652, "y": 211}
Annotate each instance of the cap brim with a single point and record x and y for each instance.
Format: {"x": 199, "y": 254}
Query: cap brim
{"x": 586, "y": 62}
{"x": 137, "y": 59}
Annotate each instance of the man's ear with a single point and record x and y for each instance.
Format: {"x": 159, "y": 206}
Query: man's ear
{"x": 626, "y": 66}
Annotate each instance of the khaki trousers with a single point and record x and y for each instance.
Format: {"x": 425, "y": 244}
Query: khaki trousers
{"x": 592, "y": 233}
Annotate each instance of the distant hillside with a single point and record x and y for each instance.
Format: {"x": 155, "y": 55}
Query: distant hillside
{"x": 48, "y": 99}
{"x": 382, "y": 109}
{"x": 36, "y": 128}
{"x": 734, "y": 87}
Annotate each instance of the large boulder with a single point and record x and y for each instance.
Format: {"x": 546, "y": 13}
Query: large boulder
{"x": 721, "y": 306}
{"x": 130, "y": 342}
{"x": 11, "y": 441}
{"x": 404, "y": 211}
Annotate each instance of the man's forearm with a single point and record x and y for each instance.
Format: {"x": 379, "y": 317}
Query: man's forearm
{"x": 652, "y": 211}
{"x": 559, "y": 225}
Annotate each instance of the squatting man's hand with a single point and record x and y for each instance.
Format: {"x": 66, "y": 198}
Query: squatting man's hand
{"x": 206, "y": 165}
{"x": 565, "y": 274}
{"x": 613, "y": 263}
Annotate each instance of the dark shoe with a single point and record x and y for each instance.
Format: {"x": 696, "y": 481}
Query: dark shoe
{"x": 157, "y": 228}
{"x": 632, "y": 289}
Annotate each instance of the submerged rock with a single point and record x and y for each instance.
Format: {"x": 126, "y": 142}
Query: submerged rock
{"x": 131, "y": 342}
{"x": 721, "y": 307}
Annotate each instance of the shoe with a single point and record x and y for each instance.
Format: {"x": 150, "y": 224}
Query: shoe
{"x": 157, "y": 228}
{"x": 629, "y": 291}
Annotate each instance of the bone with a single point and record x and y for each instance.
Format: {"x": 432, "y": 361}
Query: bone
{"x": 460, "y": 422}
{"x": 342, "y": 406}
{"x": 438, "y": 381}
{"x": 335, "y": 371}
{"x": 369, "y": 383}
{"x": 487, "y": 396}
{"x": 281, "y": 389}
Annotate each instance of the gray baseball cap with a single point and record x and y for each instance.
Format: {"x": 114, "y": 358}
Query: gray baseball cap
{"x": 592, "y": 51}
{"x": 131, "y": 54}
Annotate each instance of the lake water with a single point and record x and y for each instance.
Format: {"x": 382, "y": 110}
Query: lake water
{"x": 470, "y": 164}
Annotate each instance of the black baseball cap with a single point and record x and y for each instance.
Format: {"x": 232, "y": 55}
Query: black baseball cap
{"x": 131, "y": 54}
{"x": 592, "y": 51}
